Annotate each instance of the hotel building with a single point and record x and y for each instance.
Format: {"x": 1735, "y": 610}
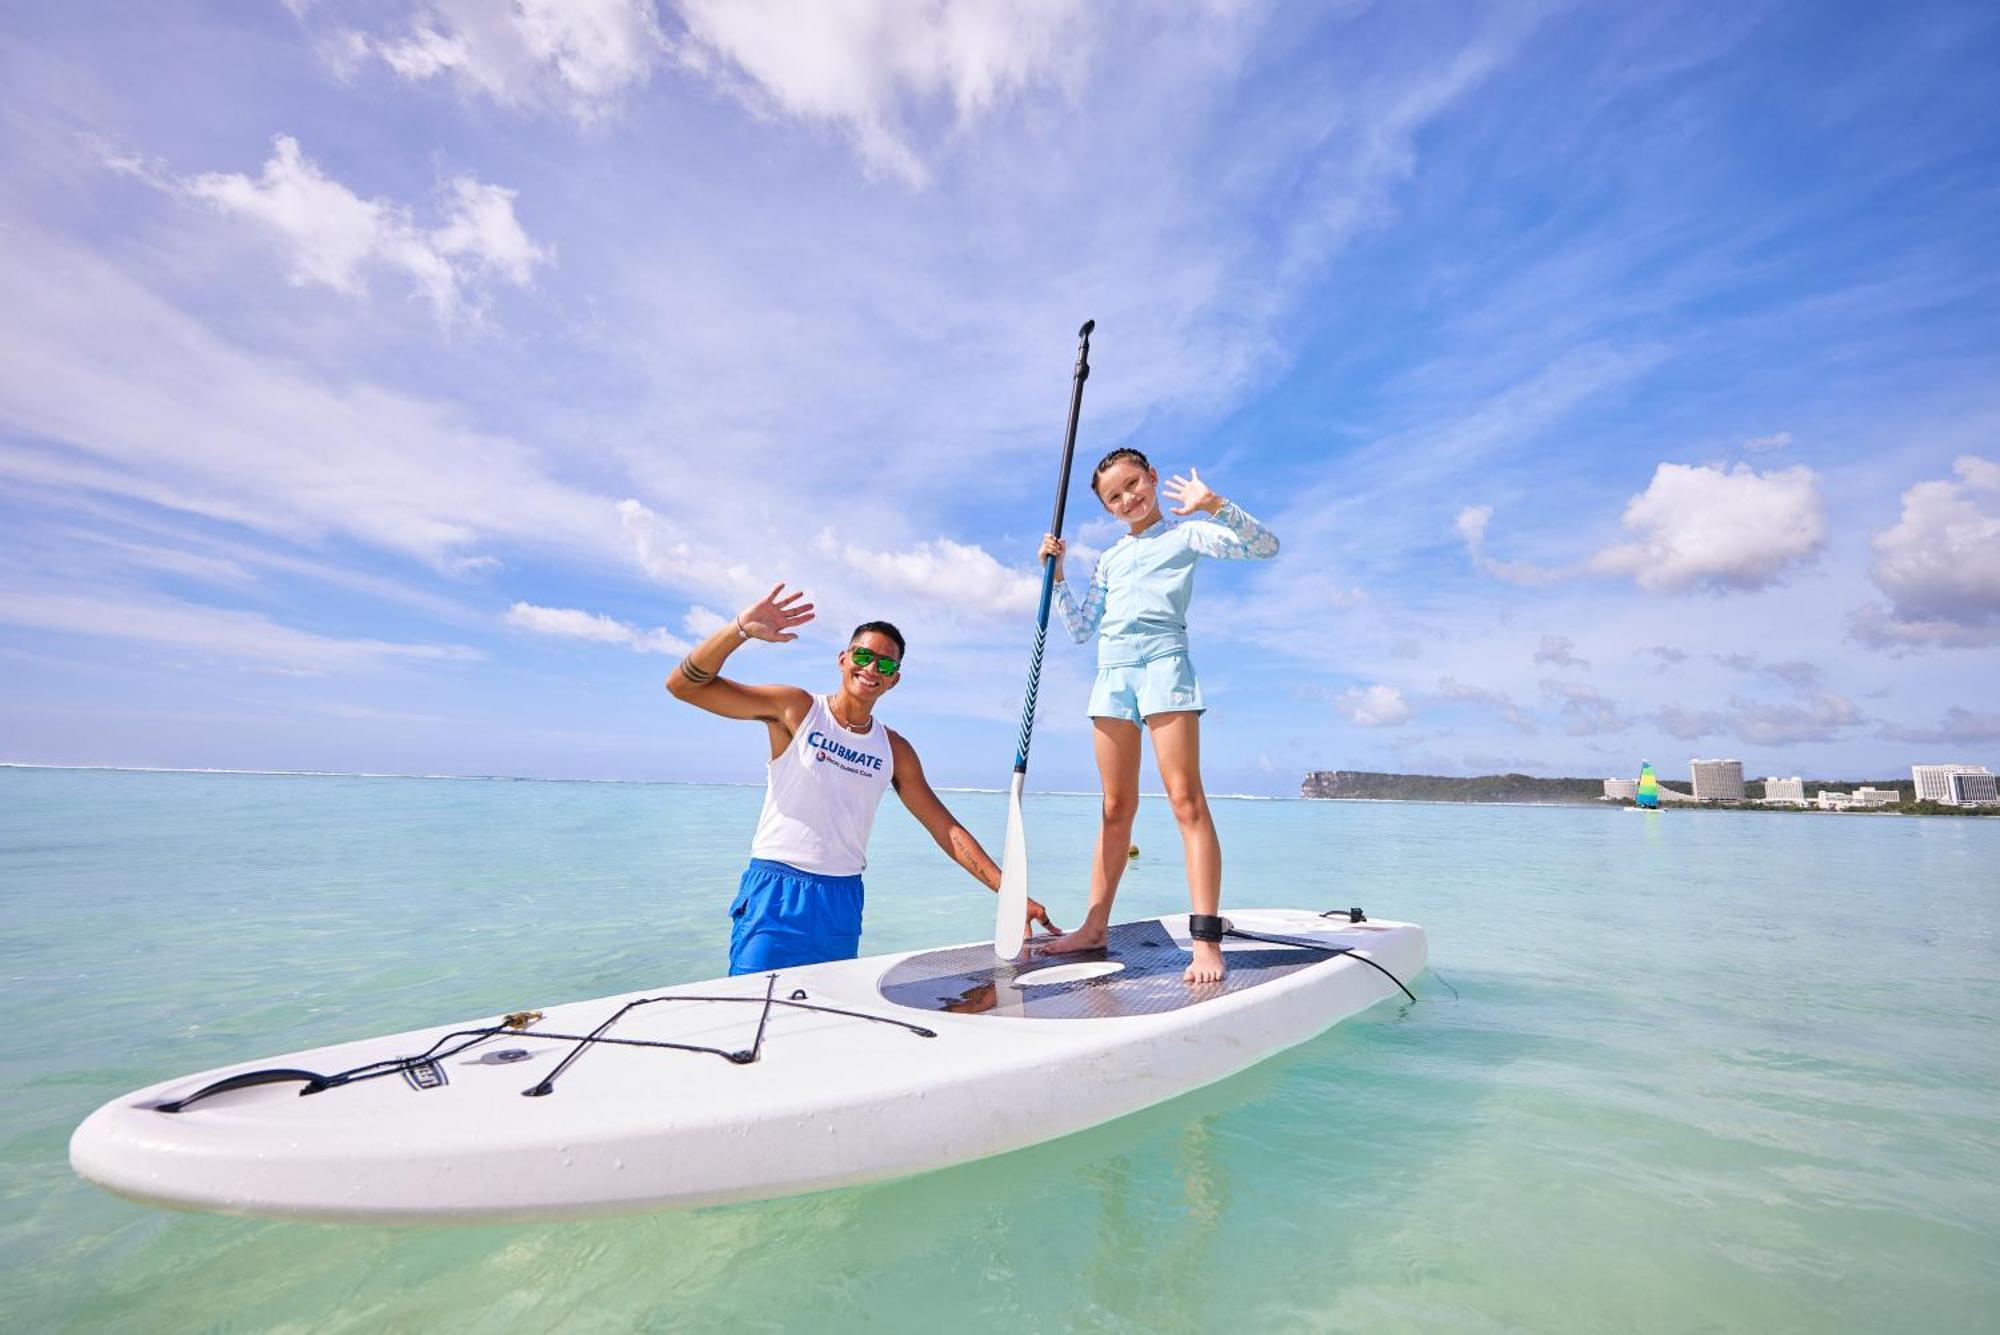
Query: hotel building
{"x": 1717, "y": 780}
{"x": 1859, "y": 799}
{"x": 1955, "y": 785}
{"x": 1792, "y": 790}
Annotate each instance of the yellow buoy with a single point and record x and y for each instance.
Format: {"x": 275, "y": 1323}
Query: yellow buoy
{"x": 1132, "y": 852}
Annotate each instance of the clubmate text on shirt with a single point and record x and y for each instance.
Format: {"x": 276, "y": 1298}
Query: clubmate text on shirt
{"x": 819, "y": 741}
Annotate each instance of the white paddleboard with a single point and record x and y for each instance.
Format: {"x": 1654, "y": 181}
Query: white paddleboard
{"x": 948, "y": 1056}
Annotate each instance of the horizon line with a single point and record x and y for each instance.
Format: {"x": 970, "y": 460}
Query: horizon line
{"x": 542, "y": 778}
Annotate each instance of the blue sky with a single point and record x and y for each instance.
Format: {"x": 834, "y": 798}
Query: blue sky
{"x": 402, "y": 386}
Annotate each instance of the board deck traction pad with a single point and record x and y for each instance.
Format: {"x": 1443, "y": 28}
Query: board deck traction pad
{"x": 968, "y": 980}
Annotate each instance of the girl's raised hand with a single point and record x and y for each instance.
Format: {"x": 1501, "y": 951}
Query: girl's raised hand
{"x": 1191, "y": 493}
{"x": 1053, "y": 546}
{"x": 772, "y": 617}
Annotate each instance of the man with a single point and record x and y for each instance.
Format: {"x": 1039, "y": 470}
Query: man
{"x": 800, "y": 899}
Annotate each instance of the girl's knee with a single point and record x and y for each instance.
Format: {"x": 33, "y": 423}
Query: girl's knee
{"x": 1121, "y": 808}
{"x": 1190, "y": 805}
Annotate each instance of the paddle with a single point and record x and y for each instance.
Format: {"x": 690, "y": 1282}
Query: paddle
{"x": 1010, "y": 923}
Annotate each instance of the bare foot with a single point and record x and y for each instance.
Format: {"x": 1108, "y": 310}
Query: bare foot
{"x": 1090, "y": 936}
{"x": 1208, "y": 966}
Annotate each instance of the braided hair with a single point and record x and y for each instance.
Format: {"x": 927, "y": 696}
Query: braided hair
{"x": 1122, "y": 452}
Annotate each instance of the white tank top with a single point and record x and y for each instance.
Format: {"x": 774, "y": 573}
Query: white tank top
{"x": 820, "y": 795}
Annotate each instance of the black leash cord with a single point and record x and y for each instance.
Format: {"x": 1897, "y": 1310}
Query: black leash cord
{"x": 1348, "y": 951}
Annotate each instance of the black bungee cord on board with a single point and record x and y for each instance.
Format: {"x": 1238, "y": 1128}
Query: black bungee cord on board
{"x": 423, "y": 1071}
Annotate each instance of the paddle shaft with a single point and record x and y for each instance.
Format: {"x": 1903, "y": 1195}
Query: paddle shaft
{"x": 1049, "y": 564}
{"x": 1010, "y": 917}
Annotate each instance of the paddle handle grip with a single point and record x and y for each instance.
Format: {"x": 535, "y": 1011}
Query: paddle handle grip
{"x": 1081, "y": 374}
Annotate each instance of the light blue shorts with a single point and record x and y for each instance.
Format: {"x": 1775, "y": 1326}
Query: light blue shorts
{"x": 784, "y": 917}
{"x": 1166, "y": 685}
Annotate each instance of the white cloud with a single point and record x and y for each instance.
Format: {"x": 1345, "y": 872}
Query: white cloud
{"x": 673, "y": 557}
{"x": 1385, "y": 493}
{"x": 1373, "y": 706}
{"x": 1777, "y": 440}
{"x": 1821, "y": 719}
{"x": 229, "y": 632}
{"x": 700, "y": 622}
{"x": 1558, "y": 651}
{"x": 858, "y": 64}
{"x": 1940, "y": 565}
{"x": 756, "y": 363}
{"x": 1879, "y": 627}
{"x": 1689, "y": 724}
{"x": 1457, "y": 692}
{"x": 474, "y": 565}
{"x": 1589, "y": 713}
{"x": 864, "y": 66}
{"x": 334, "y": 237}
{"x": 481, "y": 229}
{"x": 1471, "y": 527}
{"x": 1795, "y": 673}
{"x": 1958, "y": 727}
{"x": 744, "y": 353}
{"x": 579, "y": 56}
{"x": 1803, "y": 675}
{"x": 1705, "y": 527}
{"x": 958, "y": 576}
{"x": 1695, "y": 526}
{"x": 573, "y": 624}
{"x": 124, "y": 395}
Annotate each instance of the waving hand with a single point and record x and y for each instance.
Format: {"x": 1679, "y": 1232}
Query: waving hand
{"x": 1192, "y": 494}
{"x": 772, "y": 617}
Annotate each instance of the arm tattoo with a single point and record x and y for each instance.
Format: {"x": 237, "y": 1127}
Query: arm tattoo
{"x": 964, "y": 852}
{"x": 694, "y": 674}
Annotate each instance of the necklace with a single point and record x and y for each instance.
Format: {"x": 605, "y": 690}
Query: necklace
{"x": 862, "y": 732}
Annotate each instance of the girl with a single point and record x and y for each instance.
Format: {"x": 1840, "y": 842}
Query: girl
{"x": 1138, "y": 604}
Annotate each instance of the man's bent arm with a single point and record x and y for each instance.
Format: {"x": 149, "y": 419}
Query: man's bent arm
{"x": 697, "y": 679}
{"x": 934, "y": 816}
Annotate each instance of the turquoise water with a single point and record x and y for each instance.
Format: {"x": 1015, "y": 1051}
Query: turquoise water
{"x": 1704, "y": 1071}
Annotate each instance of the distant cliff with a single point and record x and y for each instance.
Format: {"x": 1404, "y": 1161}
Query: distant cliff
{"x": 1436, "y": 788}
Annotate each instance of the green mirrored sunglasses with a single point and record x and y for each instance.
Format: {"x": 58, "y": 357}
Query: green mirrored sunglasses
{"x": 884, "y": 664}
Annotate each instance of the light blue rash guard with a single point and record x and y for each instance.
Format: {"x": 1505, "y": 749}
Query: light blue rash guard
{"x": 1138, "y": 597}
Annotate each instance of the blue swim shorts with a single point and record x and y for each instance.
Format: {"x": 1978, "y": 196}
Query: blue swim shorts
{"x": 1165, "y": 685}
{"x": 783, "y": 917}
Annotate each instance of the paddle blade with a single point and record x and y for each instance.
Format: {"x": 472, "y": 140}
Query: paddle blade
{"x": 1010, "y": 920}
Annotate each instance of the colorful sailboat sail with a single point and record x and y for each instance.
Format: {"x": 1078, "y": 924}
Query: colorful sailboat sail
{"x": 1649, "y": 786}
